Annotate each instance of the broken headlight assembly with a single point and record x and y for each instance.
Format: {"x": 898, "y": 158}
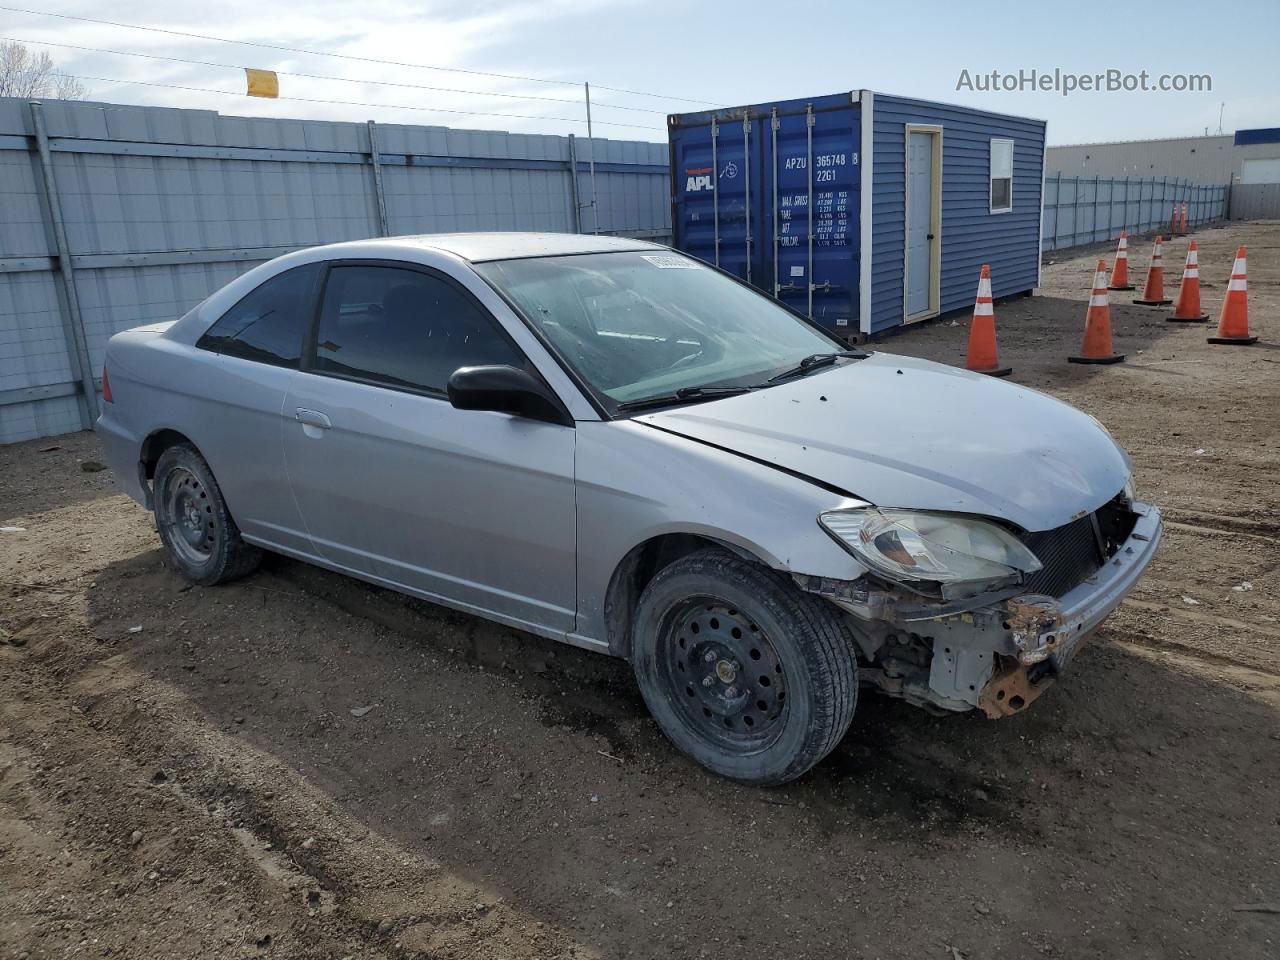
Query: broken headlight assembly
{"x": 960, "y": 554}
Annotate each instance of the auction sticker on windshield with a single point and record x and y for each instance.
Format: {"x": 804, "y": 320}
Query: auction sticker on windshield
{"x": 663, "y": 262}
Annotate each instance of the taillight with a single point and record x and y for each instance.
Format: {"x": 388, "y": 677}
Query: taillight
{"x": 106, "y": 386}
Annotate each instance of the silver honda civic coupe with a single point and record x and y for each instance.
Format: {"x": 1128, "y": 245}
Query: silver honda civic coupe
{"x": 607, "y": 443}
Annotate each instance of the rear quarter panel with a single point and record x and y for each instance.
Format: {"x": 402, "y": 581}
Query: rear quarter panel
{"x": 228, "y": 408}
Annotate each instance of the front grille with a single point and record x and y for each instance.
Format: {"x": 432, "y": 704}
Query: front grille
{"x": 1069, "y": 554}
{"x": 1076, "y": 550}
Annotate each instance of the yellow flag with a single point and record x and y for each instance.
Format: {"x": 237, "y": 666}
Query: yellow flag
{"x": 262, "y": 83}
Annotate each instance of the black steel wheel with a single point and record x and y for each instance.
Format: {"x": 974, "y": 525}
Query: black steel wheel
{"x": 735, "y": 691}
{"x": 749, "y": 675}
{"x": 185, "y": 515}
{"x": 192, "y": 519}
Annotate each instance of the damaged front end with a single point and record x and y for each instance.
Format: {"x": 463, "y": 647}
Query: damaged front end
{"x": 998, "y": 650}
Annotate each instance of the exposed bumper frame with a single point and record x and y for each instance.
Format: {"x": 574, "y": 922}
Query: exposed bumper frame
{"x": 1041, "y": 658}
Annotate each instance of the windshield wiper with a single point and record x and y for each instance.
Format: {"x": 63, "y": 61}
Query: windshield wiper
{"x": 683, "y": 395}
{"x": 816, "y": 360}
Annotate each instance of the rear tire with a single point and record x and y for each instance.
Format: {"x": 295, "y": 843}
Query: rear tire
{"x": 752, "y": 677}
{"x": 194, "y": 523}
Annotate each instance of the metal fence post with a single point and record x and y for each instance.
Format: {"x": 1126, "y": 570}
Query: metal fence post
{"x": 383, "y": 227}
{"x": 1075, "y": 211}
{"x": 1057, "y": 209}
{"x": 1093, "y": 234}
{"x": 1049, "y": 237}
{"x": 591, "y": 142}
{"x": 573, "y": 184}
{"x": 72, "y": 318}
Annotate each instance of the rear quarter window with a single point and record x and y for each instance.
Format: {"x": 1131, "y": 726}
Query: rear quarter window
{"x": 269, "y": 324}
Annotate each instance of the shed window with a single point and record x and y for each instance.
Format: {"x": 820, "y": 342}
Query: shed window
{"x": 1001, "y": 176}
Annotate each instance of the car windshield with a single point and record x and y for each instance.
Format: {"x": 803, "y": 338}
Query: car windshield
{"x": 638, "y": 325}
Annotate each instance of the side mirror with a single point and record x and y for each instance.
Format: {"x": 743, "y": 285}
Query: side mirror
{"x": 506, "y": 389}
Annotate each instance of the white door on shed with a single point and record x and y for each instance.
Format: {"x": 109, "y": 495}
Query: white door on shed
{"x": 921, "y": 228}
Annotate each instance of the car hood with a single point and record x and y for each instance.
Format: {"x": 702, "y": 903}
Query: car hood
{"x": 902, "y": 432}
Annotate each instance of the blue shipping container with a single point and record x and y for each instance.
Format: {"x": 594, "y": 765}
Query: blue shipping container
{"x": 864, "y": 211}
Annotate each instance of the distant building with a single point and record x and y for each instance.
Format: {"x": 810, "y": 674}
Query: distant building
{"x": 1250, "y": 156}
{"x": 1257, "y": 155}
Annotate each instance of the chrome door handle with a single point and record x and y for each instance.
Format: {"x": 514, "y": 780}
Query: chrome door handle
{"x": 312, "y": 418}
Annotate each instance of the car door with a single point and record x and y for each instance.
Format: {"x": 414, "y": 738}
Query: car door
{"x": 473, "y": 508}
{"x": 239, "y": 394}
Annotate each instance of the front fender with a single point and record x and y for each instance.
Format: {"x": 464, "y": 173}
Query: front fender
{"x": 636, "y": 483}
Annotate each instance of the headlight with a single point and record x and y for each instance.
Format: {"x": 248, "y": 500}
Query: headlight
{"x": 1130, "y": 490}
{"x": 943, "y": 548}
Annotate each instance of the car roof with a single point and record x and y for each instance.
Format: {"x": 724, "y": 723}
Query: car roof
{"x": 479, "y": 247}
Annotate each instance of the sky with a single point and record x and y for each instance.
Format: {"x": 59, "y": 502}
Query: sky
{"x": 689, "y": 55}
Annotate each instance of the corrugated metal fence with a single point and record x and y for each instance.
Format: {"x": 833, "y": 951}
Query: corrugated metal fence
{"x": 1081, "y": 210}
{"x": 161, "y": 207}
{"x": 1255, "y": 201}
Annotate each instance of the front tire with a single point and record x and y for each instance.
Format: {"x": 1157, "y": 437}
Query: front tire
{"x": 194, "y": 523}
{"x": 753, "y": 678}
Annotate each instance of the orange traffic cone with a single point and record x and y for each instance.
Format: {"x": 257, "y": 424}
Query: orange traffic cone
{"x": 1233, "y": 326}
{"x": 1188, "y": 308}
{"x": 983, "y": 356}
{"x": 1153, "y": 293}
{"x": 1120, "y": 273}
{"x": 1184, "y": 221}
{"x": 1097, "y": 324}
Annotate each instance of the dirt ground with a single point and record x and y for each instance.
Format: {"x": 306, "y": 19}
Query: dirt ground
{"x": 301, "y": 766}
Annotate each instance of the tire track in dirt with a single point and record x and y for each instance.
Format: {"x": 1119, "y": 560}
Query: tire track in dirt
{"x": 304, "y": 863}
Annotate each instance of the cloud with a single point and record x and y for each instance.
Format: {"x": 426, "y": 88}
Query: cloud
{"x": 462, "y": 36}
